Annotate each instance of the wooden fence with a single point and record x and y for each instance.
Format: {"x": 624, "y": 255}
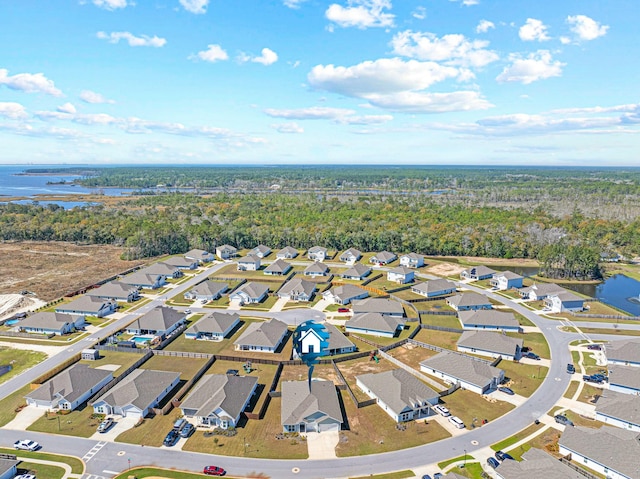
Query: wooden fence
{"x": 441, "y": 328}
{"x": 51, "y": 373}
{"x": 439, "y": 349}
{"x": 116, "y": 380}
{"x": 567, "y": 461}
{"x": 14, "y": 334}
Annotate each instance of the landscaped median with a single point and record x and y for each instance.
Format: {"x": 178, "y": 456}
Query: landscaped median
{"x": 155, "y": 473}
{"x": 46, "y": 470}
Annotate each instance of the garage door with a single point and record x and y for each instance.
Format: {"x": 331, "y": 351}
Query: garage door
{"x": 332, "y": 426}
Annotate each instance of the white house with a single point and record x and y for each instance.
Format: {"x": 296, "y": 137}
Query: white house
{"x": 477, "y": 273}
{"x": 250, "y": 292}
{"x": 208, "y": 290}
{"x": 338, "y": 342}
{"x": 350, "y": 256}
{"x": 624, "y": 379}
{"x": 505, "y": 280}
{"x": 213, "y": 326}
{"x": 160, "y": 321}
{"x": 51, "y": 323}
{"x": 287, "y": 253}
{"x": 249, "y": 263}
{"x": 375, "y": 324}
{"x": 412, "y": 260}
{"x": 540, "y": 291}
{"x": 278, "y": 268}
{"x": 619, "y": 410}
{"x": 317, "y": 253}
{"x": 316, "y": 269}
{"x": 469, "y": 301}
{"x": 433, "y": 288}
{"x": 115, "y": 290}
{"x": 383, "y": 257}
{"x": 345, "y": 294}
{"x": 226, "y": 251}
{"x": 262, "y": 337}
{"x": 314, "y": 409}
{"x": 88, "y": 306}
{"x": 310, "y": 342}
{"x": 488, "y": 320}
{"x": 261, "y": 251}
{"x": 297, "y": 289}
{"x": 144, "y": 280}
{"x": 357, "y": 272}
{"x": 493, "y": 345}
{"x": 401, "y": 274}
{"x": 199, "y": 255}
{"x": 473, "y": 374}
{"x": 561, "y": 302}
{"x": 625, "y": 352}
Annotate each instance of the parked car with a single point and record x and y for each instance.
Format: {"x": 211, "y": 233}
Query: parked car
{"x": 213, "y": 471}
{"x": 501, "y": 456}
{"x": 25, "y": 476}
{"x": 171, "y": 438}
{"x": 493, "y": 462}
{"x": 105, "y": 424}
{"x": 596, "y": 347}
{"x": 532, "y": 355}
{"x": 232, "y": 372}
{"x": 562, "y": 419}
{"x": 426, "y": 476}
{"x": 187, "y": 430}
{"x": 456, "y": 421}
{"x": 594, "y": 378}
{"x": 343, "y": 310}
{"x": 438, "y": 475}
{"x": 179, "y": 424}
{"x": 571, "y": 369}
{"x": 26, "y": 445}
{"x": 506, "y": 390}
{"x": 443, "y": 411}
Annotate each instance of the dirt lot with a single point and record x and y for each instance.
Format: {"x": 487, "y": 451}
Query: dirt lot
{"x": 54, "y": 269}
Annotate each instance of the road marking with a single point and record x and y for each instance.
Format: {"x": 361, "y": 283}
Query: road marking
{"x": 93, "y": 451}
{"x": 106, "y": 471}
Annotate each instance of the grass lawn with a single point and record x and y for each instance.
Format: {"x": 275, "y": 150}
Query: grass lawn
{"x": 187, "y": 367}
{"x": 408, "y": 329}
{"x": 596, "y": 307}
{"x": 390, "y": 475}
{"x": 535, "y": 342}
{"x": 448, "y": 462}
{"x": 407, "y": 294}
{"x": 372, "y": 431}
{"x": 467, "y": 406}
{"x": 355, "y": 367}
{"x": 437, "y": 305}
{"x": 547, "y": 441}
{"x": 77, "y": 467}
{"x": 152, "y": 430}
{"x": 265, "y": 305}
{"x": 121, "y": 359}
{"x": 181, "y": 343}
{"x": 506, "y": 443}
{"x": 444, "y": 321}
{"x": 571, "y": 390}
{"x": 522, "y": 320}
{"x": 473, "y": 470}
{"x": 19, "y": 360}
{"x": 41, "y": 470}
{"x": 412, "y": 355}
{"x": 9, "y": 404}
{"x": 300, "y": 373}
{"x": 81, "y": 422}
{"x": 525, "y": 378}
{"x": 283, "y": 353}
{"x": 588, "y": 393}
{"x": 438, "y": 338}
{"x": 384, "y": 284}
{"x": 613, "y": 331}
{"x": 143, "y": 472}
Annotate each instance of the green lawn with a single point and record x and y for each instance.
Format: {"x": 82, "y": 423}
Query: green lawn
{"x": 265, "y": 305}
{"x": 472, "y": 470}
{"x": 77, "y": 466}
{"x": 525, "y": 378}
{"x": 122, "y": 359}
{"x": 534, "y": 341}
{"x": 443, "y": 321}
{"x": 19, "y": 360}
{"x": 142, "y": 472}
{"x": 152, "y": 430}
{"x": 382, "y": 341}
{"x": 444, "y": 464}
{"x": 571, "y": 390}
{"x": 181, "y": 343}
{"x": 81, "y": 422}
{"x": 506, "y": 443}
{"x": 468, "y": 405}
{"x": 41, "y": 470}
{"x": 187, "y": 367}
{"x": 438, "y": 338}
{"x": 10, "y": 403}
{"x": 389, "y": 475}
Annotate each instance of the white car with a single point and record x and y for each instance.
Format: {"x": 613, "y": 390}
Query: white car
{"x": 456, "y": 421}
{"x": 443, "y": 411}
{"x": 25, "y": 476}
{"x": 187, "y": 311}
{"x": 26, "y": 445}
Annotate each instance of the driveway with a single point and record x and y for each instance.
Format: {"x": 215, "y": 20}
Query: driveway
{"x": 322, "y": 445}
{"x": 279, "y": 305}
{"x": 120, "y": 425}
{"x": 25, "y": 418}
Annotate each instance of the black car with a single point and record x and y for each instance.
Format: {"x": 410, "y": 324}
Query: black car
{"x": 232, "y": 372}
{"x": 171, "y": 438}
{"x": 564, "y": 420}
{"x": 532, "y": 355}
{"x": 506, "y": 390}
{"x": 571, "y": 369}
{"x": 492, "y": 462}
{"x": 502, "y": 456}
{"x": 595, "y": 347}
{"x": 594, "y": 378}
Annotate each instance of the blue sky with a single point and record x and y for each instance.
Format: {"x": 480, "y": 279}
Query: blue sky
{"x": 307, "y": 81}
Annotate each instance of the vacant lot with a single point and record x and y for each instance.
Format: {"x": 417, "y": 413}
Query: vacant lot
{"x": 51, "y": 269}
{"x": 14, "y": 361}
{"x": 412, "y": 355}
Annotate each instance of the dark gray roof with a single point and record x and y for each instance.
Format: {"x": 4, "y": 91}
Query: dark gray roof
{"x": 624, "y": 350}
{"x": 435, "y": 285}
{"x": 347, "y": 291}
{"x": 253, "y": 289}
{"x": 47, "y": 320}
{"x": 263, "y": 334}
{"x": 543, "y": 289}
{"x": 536, "y": 464}
{"x": 180, "y": 261}
{"x": 488, "y": 341}
{"x": 7, "y": 464}
{"x": 617, "y": 449}
{"x": 412, "y": 256}
{"x": 462, "y": 367}
{"x": 197, "y": 254}
{"x": 89, "y": 304}
{"x": 398, "y": 389}
{"x": 337, "y": 340}
{"x": 357, "y": 270}
{"x": 220, "y": 391}
{"x": 628, "y": 376}
{"x": 141, "y": 278}
{"x": 278, "y": 266}
{"x": 214, "y": 323}
{"x": 140, "y": 388}
{"x": 159, "y": 268}
{"x": 70, "y": 383}
{"x": 288, "y": 251}
{"x": 468, "y": 299}
{"x": 298, "y": 285}
{"x": 384, "y": 256}
{"x": 566, "y": 296}
{"x": 159, "y": 318}
{"x": 377, "y": 305}
{"x": 480, "y": 270}
{"x": 317, "y": 267}
{"x": 299, "y": 403}
{"x": 375, "y": 322}
{"x": 227, "y": 247}
{"x": 114, "y": 289}
{"x": 625, "y": 407}
{"x": 209, "y": 288}
{"x": 488, "y": 317}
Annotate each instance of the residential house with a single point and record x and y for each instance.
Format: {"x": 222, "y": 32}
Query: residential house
{"x": 218, "y": 400}
{"x": 624, "y": 379}
{"x": 287, "y": 253}
{"x": 433, "y": 288}
{"x": 213, "y": 326}
{"x": 350, "y": 256}
{"x": 164, "y": 269}
{"x": 70, "y": 388}
{"x": 297, "y": 289}
{"x": 624, "y": 352}
{"x": 262, "y": 337}
{"x": 471, "y": 373}
{"x": 182, "y": 262}
{"x": 160, "y": 321}
{"x": 383, "y": 257}
{"x": 388, "y": 307}
{"x": 614, "y": 453}
{"x": 51, "y": 323}
{"x": 504, "y": 280}
{"x": 90, "y": 354}
{"x": 317, "y": 253}
{"x": 401, "y": 274}
{"x": 535, "y": 464}
{"x": 278, "y": 268}
{"x": 469, "y": 301}
{"x": 357, "y": 272}
{"x": 400, "y": 394}
{"x": 226, "y": 251}
{"x": 310, "y": 409}
{"x": 619, "y": 410}
{"x": 199, "y": 255}
{"x": 375, "y": 324}
{"x": 493, "y": 345}
{"x": 316, "y": 269}
{"x": 8, "y": 468}
{"x": 249, "y": 263}
{"x": 477, "y": 273}
{"x": 338, "y": 342}
{"x": 137, "y": 394}
{"x": 208, "y": 290}
{"x": 561, "y": 302}
{"x": 344, "y": 294}
{"x": 412, "y": 260}
{"x": 144, "y": 280}
{"x": 489, "y": 320}
{"x": 117, "y": 291}
{"x": 540, "y": 291}
{"x": 250, "y": 292}
{"x": 88, "y": 306}
{"x": 261, "y": 251}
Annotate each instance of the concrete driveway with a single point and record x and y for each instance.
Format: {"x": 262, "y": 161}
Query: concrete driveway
{"x": 322, "y": 445}
{"x": 25, "y": 418}
{"x": 121, "y": 425}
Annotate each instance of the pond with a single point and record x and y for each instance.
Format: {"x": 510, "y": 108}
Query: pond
{"x": 521, "y": 270}
{"x": 619, "y": 290}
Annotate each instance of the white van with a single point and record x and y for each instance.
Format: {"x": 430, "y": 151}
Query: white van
{"x": 456, "y": 421}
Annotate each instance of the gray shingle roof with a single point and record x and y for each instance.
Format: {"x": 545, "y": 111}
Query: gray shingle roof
{"x": 317, "y": 268}
{"x": 351, "y": 252}
{"x": 263, "y": 334}
{"x": 398, "y": 389}
{"x": 628, "y": 376}
{"x": 543, "y": 289}
{"x": 615, "y": 448}
{"x": 88, "y": 304}
{"x": 625, "y": 407}
{"x": 262, "y": 249}
{"x": 209, "y": 288}
{"x": 384, "y": 257}
{"x": 488, "y": 341}
{"x": 401, "y": 270}
{"x": 159, "y": 268}
{"x": 462, "y": 367}
{"x": 47, "y": 320}
{"x": 479, "y": 271}
{"x": 536, "y": 464}
{"x": 180, "y": 261}
{"x": 70, "y": 383}
{"x": 214, "y": 323}
{"x": 567, "y": 296}
{"x": 337, "y": 340}
{"x": 488, "y": 317}
{"x": 227, "y": 247}
{"x": 159, "y": 318}
{"x": 253, "y": 289}
{"x": 468, "y": 299}
{"x": 141, "y": 278}
{"x": 278, "y": 266}
{"x": 288, "y": 251}
{"x": 624, "y": 350}
{"x": 6, "y": 465}
{"x": 318, "y": 249}
{"x": 299, "y": 403}
{"x": 298, "y": 285}
{"x": 114, "y": 289}
{"x": 375, "y": 322}
{"x": 140, "y": 388}
{"x": 412, "y": 256}
{"x": 347, "y": 291}
{"x": 220, "y": 391}
{"x": 435, "y": 286}
{"x": 377, "y": 305}
{"x": 357, "y": 270}
{"x": 197, "y": 254}
{"x": 250, "y": 258}
{"x": 507, "y": 274}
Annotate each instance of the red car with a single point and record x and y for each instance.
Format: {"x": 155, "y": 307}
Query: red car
{"x": 343, "y": 310}
{"x": 213, "y": 471}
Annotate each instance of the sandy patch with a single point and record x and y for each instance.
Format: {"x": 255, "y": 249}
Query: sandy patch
{"x": 446, "y": 269}
{"x": 109, "y": 367}
{"x": 11, "y": 304}
{"x": 48, "y": 350}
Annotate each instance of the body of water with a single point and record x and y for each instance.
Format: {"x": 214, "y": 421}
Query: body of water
{"x": 619, "y": 290}
{"x": 67, "y": 205}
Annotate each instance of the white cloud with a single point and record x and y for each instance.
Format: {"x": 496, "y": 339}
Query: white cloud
{"x": 89, "y": 96}
{"x": 67, "y": 108}
{"x": 565, "y": 40}
{"x": 267, "y": 57}
{"x": 195, "y": 6}
{"x": 288, "y": 128}
{"x": 361, "y": 14}
{"x": 533, "y": 30}
{"x": 12, "y": 110}
{"x": 420, "y": 13}
{"x": 467, "y": 3}
{"x": 365, "y": 120}
{"x": 29, "y": 83}
{"x": 293, "y": 3}
{"x": 132, "y": 40}
{"x": 453, "y": 49}
{"x": 421, "y": 102}
{"x": 536, "y": 66}
{"x": 586, "y": 28}
{"x": 212, "y": 54}
{"x": 111, "y": 4}
{"x": 311, "y": 113}
{"x": 484, "y": 26}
